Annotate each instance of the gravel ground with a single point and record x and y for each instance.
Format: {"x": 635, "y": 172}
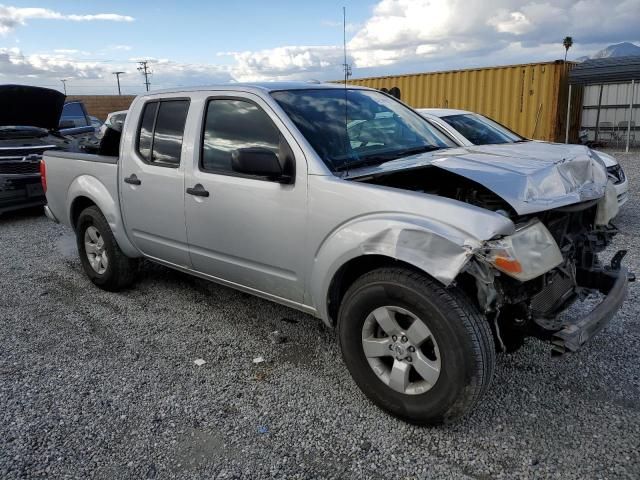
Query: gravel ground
{"x": 103, "y": 385}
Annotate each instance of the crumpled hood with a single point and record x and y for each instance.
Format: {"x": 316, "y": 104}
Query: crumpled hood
{"x": 528, "y": 183}
{"x": 540, "y": 149}
{"x": 23, "y": 105}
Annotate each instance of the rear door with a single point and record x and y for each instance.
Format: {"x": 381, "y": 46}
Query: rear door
{"x": 152, "y": 182}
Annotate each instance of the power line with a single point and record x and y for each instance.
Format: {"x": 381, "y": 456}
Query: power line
{"x": 144, "y": 68}
{"x": 117, "y": 74}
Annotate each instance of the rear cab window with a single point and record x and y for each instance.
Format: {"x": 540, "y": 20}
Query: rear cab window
{"x": 161, "y": 131}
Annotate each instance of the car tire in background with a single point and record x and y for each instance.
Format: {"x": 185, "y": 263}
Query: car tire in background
{"x": 101, "y": 257}
{"x": 420, "y": 351}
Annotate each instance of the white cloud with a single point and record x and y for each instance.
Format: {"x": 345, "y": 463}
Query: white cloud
{"x": 13, "y": 63}
{"x": 423, "y": 34}
{"x": 66, "y": 51}
{"x": 96, "y": 77}
{"x": 284, "y": 62}
{"x": 12, "y": 17}
{"x": 510, "y": 22}
{"x": 112, "y": 17}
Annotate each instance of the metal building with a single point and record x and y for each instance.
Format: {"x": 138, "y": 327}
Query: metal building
{"x": 530, "y": 99}
{"x": 611, "y": 100}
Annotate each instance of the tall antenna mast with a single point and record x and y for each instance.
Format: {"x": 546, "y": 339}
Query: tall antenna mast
{"x": 347, "y": 73}
{"x": 347, "y": 67}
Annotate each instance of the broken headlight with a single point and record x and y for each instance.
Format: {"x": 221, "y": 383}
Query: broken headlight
{"x": 527, "y": 254}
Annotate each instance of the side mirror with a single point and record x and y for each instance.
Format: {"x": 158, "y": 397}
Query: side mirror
{"x": 258, "y": 161}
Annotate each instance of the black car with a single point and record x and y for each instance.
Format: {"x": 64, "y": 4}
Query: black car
{"x": 29, "y": 125}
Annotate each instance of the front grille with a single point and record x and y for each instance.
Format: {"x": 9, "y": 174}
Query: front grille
{"x": 616, "y": 174}
{"x": 19, "y": 168}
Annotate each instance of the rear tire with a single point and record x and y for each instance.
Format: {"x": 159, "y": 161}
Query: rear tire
{"x": 101, "y": 257}
{"x": 453, "y": 345}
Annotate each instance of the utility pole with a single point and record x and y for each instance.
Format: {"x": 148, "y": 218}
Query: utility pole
{"x": 117, "y": 74}
{"x": 146, "y": 71}
{"x": 64, "y": 85}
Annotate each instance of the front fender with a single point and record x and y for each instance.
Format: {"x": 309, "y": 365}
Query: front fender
{"x": 92, "y": 188}
{"x": 439, "y": 250}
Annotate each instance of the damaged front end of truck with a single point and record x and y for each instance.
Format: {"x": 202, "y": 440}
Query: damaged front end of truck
{"x": 562, "y": 211}
{"x": 524, "y": 289}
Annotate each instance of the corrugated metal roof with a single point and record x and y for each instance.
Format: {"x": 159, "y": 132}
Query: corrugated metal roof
{"x": 606, "y": 70}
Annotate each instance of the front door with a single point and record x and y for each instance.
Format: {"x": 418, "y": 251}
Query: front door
{"x": 248, "y": 230}
{"x": 152, "y": 183}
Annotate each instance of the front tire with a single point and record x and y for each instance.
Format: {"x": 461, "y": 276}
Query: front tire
{"x": 420, "y": 351}
{"x": 101, "y": 257}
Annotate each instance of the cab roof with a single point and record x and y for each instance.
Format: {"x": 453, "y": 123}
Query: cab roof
{"x": 257, "y": 86}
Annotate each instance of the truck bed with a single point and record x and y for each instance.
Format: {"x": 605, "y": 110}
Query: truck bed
{"x": 96, "y": 176}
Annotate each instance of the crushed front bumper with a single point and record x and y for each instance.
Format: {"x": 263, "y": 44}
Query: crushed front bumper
{"x": 611, "y": 281}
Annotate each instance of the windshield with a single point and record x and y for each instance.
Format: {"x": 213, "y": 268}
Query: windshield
{"x": 368, "y": 128}
{"x": 481, "y": 130}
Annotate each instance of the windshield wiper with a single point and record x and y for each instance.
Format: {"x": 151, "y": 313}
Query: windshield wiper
{"x": 365, "y": 162}
{"x": 380, "y": 158}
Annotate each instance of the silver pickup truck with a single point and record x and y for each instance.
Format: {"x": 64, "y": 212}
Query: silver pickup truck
{"x": 346, "y": 204}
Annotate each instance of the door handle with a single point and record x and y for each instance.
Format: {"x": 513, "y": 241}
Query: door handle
{"x": 132, "y": 179}
{"x": 198, "y": 190}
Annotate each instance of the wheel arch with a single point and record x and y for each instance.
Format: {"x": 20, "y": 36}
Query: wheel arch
{"x": 351, "y": 271}
{"x": 87, "y": 190}
{"x": 438, "y": 251}
{"x": 77, "y": 206}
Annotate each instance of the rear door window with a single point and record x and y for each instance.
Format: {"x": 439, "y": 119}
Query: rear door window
{"x": 161, "y": 132}
{"x": 145, "y": 134}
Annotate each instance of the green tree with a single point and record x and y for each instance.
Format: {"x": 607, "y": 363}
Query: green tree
{"x": 568, "y": 43}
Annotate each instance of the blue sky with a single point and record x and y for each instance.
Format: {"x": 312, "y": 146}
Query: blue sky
{"x": 189, "y": 31}
{"x": 193, "y": 42}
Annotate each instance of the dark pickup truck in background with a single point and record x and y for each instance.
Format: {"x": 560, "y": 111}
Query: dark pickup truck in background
{"x": 75, "y": 121}
{"x": 32, "y": 120}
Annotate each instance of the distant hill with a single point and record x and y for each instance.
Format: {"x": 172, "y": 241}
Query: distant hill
{"x": 624, "y": 49}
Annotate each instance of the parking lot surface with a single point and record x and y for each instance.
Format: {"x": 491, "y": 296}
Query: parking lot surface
{"x": 104, "y": 385}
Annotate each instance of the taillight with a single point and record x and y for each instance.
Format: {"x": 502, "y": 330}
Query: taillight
{"x": 43, "y": 175}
